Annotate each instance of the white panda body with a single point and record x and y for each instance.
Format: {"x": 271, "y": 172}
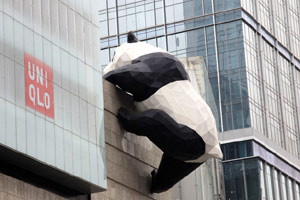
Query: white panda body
{"x": 180, "y": 100}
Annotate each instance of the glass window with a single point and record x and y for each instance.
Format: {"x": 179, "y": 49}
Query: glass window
{"x": 283, "y": 187}
{"x": 112, "y": 27}
{"x": 169, "y": 14}
{"x": 291, "y": 189}
{"x": 241, "y": 149}
{"x": 122, "y": 25}
{"x": 179, "y": 10}
{"x": 270, "y": 182}
{"x": 262, "y": 180}
{"x": 298, "y": 191}
{"x": 150, "y": 18}
{"x": 104, "y": 57}
{"x": 231, "y": 151}
{"x": 277, "y": 185}
{"x": 252, "y": 179}
{"x": 151, "y": 42}
{"x": 234, "y": 180}
{"x": 221, "y": 5}
{"x": 238, "y": 119}
{"x": 207, "y": 6}
{"x": 131, "y": 22}
{"x": 161, "y": 42}
{"x": 140, "y": 18}
{"x": 171, "y": 43}
{"x": 198, "y": 7}
{"x": 159, "y": 16}
{"x": 111, "y": 4}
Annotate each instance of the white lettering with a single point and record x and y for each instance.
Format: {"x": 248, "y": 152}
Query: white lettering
{"x": 31, "y": 76}
{"x": 32, "y": 93}
{"x": 39, "y": 75}
{"x": 38, "y": 97}
{"x": 47, "y": 100}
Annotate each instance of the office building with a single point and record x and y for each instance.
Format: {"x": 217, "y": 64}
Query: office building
{"x": 251, "y": 50}
{"x": 51, "y": 99}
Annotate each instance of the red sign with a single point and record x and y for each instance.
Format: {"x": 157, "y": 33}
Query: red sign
{"x": 39, "y": 86}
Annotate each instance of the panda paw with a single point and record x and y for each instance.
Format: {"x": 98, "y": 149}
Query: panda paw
{"x": 123, "y": 113}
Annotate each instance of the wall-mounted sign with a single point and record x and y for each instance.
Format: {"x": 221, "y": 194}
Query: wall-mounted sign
{"x": 38, "y": 86}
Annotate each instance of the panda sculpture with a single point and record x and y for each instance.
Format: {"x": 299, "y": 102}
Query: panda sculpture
{"x": 171, "y": 113}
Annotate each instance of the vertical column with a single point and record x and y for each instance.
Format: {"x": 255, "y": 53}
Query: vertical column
{"x": 218, "y": 68}
{"x": 281, "y": 121}
{"x": 217, "y": 186}
{"x": 165, "y": 25}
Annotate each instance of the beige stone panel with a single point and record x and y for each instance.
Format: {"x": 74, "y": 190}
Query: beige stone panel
{"x": 118, "y": 191}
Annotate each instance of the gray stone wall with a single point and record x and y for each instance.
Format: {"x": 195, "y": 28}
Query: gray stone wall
{"x": 130, "y": 158}
{"x": 14, "y": 189}
{"x": 129, "y": 161}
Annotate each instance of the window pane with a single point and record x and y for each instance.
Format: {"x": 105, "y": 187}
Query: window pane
{"x": 298, "y": 191}
{"x": 283, "y": 185}
{"x": 270, "y": 182}
{"x": 291, "y": 189}
{"x": 252, "y": 179}
{"x": 262, "y": 180}
{"x": 277, "y": 185}
{"x": 234, "y": 180}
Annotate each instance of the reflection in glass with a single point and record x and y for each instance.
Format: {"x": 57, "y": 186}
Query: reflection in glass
{"x": 234, "y": 180}
{"x": 262, "y": 180}
{"x": 252, "y": 179}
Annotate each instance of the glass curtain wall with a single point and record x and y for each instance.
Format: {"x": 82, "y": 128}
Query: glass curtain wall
{"x": 247, "y": 85}
{"x": 254, "y": 179}
{"x": 186, "y": 29}
{"x": 254, "y": 83}
{"x": 271, "y": 44}
{"x": 273, "y": 91}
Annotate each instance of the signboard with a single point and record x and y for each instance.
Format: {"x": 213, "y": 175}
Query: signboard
{"x": 38, "y": 86}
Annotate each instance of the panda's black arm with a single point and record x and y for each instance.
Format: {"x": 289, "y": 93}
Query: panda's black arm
{"x": 127, "y": 79}
{"x": 147, "y": 74}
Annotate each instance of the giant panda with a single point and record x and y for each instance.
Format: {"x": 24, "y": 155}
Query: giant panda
{"x": 171, "y": 113}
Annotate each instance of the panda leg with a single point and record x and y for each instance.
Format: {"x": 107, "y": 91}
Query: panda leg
{"x": 176, "y": 140}
{"x": 170, "y": 172}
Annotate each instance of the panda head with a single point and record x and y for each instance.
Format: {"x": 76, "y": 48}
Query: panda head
{"x": 127, "y": 52}
{"x": 141, "y": 69}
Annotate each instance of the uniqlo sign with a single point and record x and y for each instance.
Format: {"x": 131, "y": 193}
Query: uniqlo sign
{"x": 39, "y": 86}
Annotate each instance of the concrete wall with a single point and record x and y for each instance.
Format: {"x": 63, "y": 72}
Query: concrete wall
{"x": 129, "y": 161}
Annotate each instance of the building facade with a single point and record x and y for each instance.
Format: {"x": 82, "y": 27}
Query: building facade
{"x": 51, "y": 96}
{"x": 251, "y": 50}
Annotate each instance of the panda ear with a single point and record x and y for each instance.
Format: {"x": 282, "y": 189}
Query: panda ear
{"x": 131, "y": 38}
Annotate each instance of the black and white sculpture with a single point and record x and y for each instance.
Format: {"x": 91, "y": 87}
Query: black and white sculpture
{"x": 172, "y": 114}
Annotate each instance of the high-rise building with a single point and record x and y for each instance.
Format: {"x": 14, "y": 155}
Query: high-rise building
{"x": 51, "y": 98}
{"x": 251, "y": 51}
